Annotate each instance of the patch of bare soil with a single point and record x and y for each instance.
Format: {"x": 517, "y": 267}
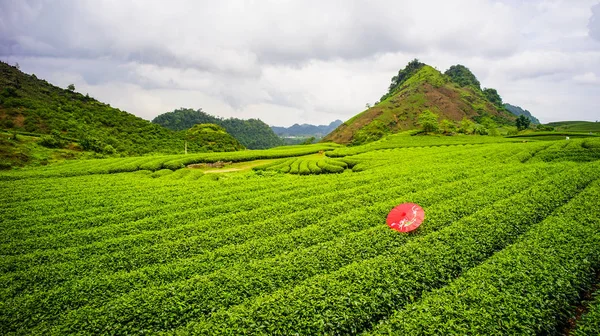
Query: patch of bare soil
{"x": 581, "y": 308}
{"x": 345, "y": 133}
{"x": 19, "y": 120}
{"x": 228, "y": 170}
{"x": 218, "y": 164}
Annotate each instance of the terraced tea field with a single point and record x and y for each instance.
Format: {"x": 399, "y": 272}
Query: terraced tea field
{"x": 509, "y": 244}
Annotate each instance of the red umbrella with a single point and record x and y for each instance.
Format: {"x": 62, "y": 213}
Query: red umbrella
{"x": 405, "y": 217}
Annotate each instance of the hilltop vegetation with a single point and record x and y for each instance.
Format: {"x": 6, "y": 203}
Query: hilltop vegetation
{"x": 212, "y": 138}
{"x": 252, "y": 133}
{"x": 453, "y": 97}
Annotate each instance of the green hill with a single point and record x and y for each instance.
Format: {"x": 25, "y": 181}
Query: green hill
{"x": 29, "y": 104}
{"x": 418, "y": 87}
{"x": 212, "y": 138}
{"x": 252, "y": 133}
{"x": 55, "y": 124}
{"x": 576, "y": 126}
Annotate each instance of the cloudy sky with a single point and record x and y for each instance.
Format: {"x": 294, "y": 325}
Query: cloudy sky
{"x": 301, "y": 61}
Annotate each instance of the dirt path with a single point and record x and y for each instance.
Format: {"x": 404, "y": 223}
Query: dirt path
{"x": 222, "y": 170}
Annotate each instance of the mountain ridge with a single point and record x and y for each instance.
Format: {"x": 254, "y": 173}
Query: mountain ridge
{"x": 517, "y": 110}
{"x": 306, "y": 130}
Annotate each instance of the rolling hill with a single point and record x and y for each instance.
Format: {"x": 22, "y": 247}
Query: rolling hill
{"x": 454, "y": 95}
{"x": 55, "y": 123}
{"x": 29, "y": 104}
{"x": 576, "y": 126}
{"x": 252, "y": 133}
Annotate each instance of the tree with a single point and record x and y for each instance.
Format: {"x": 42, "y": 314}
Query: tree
{"x": 490, "y": 124}
{"x": 466, "y": 126}
{"x": 309, "y": 141}
{"x": 428, "y": 121}
{"x": 108, "y": 149}
{"x": 493, "y": 97}
{"x": 462, "y": 76}
{"x": 447, "y": 126}
{"x": 71, "y": 87}
{"x": 523, "y": 122}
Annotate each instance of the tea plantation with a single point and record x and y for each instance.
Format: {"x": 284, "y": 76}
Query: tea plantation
{"x": 299, "y": 244}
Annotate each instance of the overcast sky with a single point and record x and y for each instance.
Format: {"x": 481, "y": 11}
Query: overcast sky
{"x": 302, "y": 61}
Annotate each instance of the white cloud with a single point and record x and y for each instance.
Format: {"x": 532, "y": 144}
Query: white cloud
{"x": 587, "y": 78}
{"x": 302, "y": 61}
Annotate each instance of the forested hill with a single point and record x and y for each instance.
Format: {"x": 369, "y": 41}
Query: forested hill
{"x": 451, "y": 96}
{"x": 516, "y": 110}
{"x": 252, "y": 133}
{"x": 306, "y": 130}
{"x": 29, "y": 104}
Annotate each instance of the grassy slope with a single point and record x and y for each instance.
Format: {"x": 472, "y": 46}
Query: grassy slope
{"x": 33, "y": 105}
{"x": 427, "y": 89}
{"x": 576, "y": 126}
{"x": 25, "y": 151}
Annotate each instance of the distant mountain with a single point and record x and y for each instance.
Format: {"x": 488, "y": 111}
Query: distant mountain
{"x": 516, "y": 110}
{"x": 306, "y": 130}
{"x": 252, "y": 133}
{"x": 29, "y": 104}
{"x": 418, "y": 87}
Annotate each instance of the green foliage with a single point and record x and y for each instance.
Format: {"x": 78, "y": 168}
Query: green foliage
{"x": 590, "y": 322}
{"x": 407, "y": 140}
{"x": 493, "y": 97}
{"x": 308, "y": 141}
{"x": 108, "y": 149}
{"x": 523, "y": 122}
{"x": 92, "y": 144}
{"x": 372, "y": 132}
{"x": 428, "y": 121}
{"x": 252, "y": 133}
{"x": 447, "y": 126}
{"x": 30, "y": 105}
{"x": 259, "y": 252}
{"x": 467, "y": 126}
{"x": 490, "y": 125}
{"x": 71, "y": 87}
{"x": 212, "y": 138}
{"x": 576, "y": 126}
{"x": 544, "y": 128}
{"x": 308, "y": 166}
{"x": 462, "y": 76}
{"x": 551, "y": 263}
{"x": 52, "y": 141}
{"x": 480, "y": 130}
{"x": 153, "y": 163}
